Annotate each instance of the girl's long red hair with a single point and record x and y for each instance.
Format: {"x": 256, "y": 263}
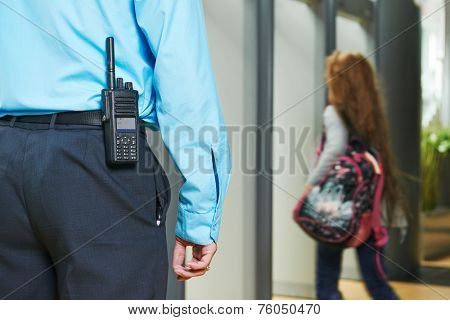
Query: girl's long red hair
{"x": 354, "y": 92}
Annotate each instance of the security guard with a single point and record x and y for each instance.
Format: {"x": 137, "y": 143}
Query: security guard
{"x": 73, "y": 226}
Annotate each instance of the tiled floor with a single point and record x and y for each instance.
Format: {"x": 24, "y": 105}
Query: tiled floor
{"x": 439, "y": 263}
{"x": 435, "y": 235}
{"x": 354, "y": 290}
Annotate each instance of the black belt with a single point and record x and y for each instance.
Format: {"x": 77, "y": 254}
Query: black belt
{"x": 91, "y": 118}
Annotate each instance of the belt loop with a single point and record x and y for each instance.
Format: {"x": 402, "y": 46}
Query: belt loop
{"x": 13, "y": 121}
{"x": 52, "y": 121}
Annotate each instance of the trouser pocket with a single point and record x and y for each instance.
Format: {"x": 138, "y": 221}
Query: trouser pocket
{"x": 151, "y": 166}
{"x": 162, "y": 196}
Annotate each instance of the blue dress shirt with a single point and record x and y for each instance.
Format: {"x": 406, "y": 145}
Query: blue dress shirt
{"x": 52, "y": 59}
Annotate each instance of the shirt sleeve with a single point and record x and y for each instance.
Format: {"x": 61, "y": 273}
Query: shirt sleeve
{"x": 335, "y": 144}
{"x": 188, "y": 112}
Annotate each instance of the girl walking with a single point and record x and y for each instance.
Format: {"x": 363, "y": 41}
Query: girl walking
{"x": 355, "y": 109}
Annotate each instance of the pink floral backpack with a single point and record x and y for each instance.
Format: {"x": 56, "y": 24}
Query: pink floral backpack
{"x": 344, "y": 208}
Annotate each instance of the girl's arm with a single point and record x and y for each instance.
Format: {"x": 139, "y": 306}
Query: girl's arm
{"x": 335, "y": 144}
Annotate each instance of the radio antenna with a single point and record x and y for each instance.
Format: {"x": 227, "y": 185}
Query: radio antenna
{"x": 111, "y": 77}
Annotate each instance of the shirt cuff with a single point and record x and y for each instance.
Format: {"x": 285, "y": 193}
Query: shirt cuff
{"x": 198, "y": 228}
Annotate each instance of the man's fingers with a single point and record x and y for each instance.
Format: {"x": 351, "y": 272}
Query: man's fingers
{"x": 179, "y": 252}
{"x": 184, "y": 274}
{"x": 198, "y": 266}
{"x": 201, "y": 264}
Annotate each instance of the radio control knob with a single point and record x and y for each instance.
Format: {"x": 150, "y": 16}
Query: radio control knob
{"x": 129, "y": 85}
{"x": 120, "y": 83}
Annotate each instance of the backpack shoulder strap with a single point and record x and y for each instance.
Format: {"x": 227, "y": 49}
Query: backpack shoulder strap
{"x": 380, "y": 233}
{"x": 321, "y": 145}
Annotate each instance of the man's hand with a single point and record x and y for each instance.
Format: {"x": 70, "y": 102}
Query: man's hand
{"x": 201, "y": 258}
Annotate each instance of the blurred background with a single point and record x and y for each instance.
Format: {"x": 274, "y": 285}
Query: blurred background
{"x": 268, "y": 57}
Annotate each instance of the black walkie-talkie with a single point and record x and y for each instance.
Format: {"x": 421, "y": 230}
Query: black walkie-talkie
{"x": 120, "y": 115}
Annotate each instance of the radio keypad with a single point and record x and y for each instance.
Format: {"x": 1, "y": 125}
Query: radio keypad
{"x": 126, "y": 147}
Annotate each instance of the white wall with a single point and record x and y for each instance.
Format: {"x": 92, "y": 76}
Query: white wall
{"x": 352, "y": 36}
{"x": 295, "y": 79}
{"x": 231, "y": 27}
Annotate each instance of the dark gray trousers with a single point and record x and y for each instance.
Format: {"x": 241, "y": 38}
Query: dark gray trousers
{"x": 71, "y": 227}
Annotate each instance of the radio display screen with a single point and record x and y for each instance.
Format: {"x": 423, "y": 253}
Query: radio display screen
{"x": 126, "y": 124}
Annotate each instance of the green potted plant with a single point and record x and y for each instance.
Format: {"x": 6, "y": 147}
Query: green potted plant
{"x": 435, "y": 163}
{"x": 435, "y": 152}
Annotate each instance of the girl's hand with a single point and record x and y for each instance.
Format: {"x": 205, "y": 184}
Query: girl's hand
{"x": 307, "y": 189}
